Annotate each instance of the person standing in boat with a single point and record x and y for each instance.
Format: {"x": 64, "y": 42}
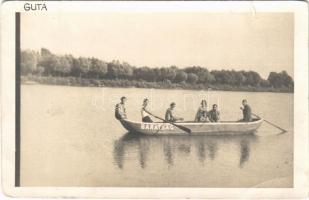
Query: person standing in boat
{"x": 214, "y": 114}
{"x": 201, "y": 114}
{"x": 120, "y": 109}
{"x": 246, "y": 111}
{"x": 169, "y": 114}
{"x": 145, "y": 113}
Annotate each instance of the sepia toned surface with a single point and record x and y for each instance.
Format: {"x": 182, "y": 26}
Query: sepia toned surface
{"x": 258, "y": 41}
{"x": 71, "y": 138}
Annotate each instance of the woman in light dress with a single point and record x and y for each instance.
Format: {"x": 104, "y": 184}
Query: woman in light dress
{"x": 201, "y": 114}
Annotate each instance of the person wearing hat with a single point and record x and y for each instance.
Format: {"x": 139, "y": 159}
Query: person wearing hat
{"x": 120, "y": 109}
{"x": 169, "y": 115}
{"x": 145, "y": 113}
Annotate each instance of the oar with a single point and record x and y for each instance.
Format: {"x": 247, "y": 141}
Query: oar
{"x": 283, "y": 130}
{"x": 187, "y": 130}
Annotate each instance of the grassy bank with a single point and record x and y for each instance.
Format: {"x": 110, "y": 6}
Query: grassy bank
{"x": 73, "y": 81}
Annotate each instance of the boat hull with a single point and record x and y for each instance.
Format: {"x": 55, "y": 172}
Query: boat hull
{"x": 219, "y": 128}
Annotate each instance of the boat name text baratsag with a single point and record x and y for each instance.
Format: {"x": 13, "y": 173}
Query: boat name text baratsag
{"x": 154, "y": 126}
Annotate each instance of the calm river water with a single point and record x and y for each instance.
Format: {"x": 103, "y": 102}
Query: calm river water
{"x": 69, "y": 137}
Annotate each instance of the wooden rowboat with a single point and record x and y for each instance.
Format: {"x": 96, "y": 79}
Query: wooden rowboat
{"x": 197, "y": 128}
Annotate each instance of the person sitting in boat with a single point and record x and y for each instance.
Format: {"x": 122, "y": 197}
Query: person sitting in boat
{"x": 214, "y": 114}
{"x": 169, "y": 115}
{"x": 201, "y": 114}
{"x": 120, "y": 109}
{"x": 246, "y": 111}
{"x": 145, "y": 113}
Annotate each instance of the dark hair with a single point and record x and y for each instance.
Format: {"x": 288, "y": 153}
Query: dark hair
{"x": 244, "y": 100}
{"x": 204, "y": 101}
{"x": 172, "y": 104}
{"x": 214, "y": 105}
{"x": 122, "y": 98}
{"x": 144, "y": 101}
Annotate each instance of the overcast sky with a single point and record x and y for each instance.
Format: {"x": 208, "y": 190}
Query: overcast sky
{"x": 262, "y": 42}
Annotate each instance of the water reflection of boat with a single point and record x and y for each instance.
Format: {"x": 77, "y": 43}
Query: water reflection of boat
{"x": 218, "y": 128}
{"x": 204, "y": 146}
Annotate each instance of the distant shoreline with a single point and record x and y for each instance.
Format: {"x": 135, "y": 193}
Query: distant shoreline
{"x": 120, "y": 83}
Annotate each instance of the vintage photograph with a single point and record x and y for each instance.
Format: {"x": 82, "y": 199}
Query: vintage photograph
{"x": 157, "y": 99}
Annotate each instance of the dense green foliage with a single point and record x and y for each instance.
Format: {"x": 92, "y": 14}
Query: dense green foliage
{"x": 46, "y": 64}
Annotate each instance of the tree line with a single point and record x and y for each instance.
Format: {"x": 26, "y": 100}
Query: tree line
{"x": 45, "y": 63}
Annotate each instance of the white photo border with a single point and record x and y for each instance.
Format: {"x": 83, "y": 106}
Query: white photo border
{"x": 300, "y": 10}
